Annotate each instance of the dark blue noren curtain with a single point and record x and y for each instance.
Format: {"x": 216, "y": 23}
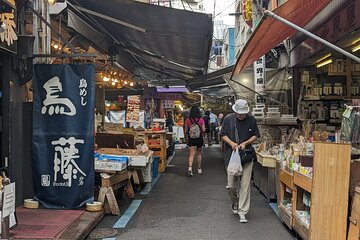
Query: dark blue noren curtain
{"x": 63, "y": 135}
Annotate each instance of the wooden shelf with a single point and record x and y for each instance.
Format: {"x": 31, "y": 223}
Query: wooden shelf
{"x": 337, "y": 73}
{"x": 329, "y": 188}
{"x": 286, "y": 216}
{"x": 300, "y": 228}
{"x": 303, "y": 181}
{"x": 286, "y": 178}
{"x": 333, "y": 97}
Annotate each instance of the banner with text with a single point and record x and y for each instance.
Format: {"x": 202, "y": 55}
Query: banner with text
{"x": 63, "y": 135}
{"x": 259, "y": 73}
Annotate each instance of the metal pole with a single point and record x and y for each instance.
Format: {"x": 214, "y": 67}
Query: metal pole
{"x": 73, "y": 49}
{"x": 323, "y": 41}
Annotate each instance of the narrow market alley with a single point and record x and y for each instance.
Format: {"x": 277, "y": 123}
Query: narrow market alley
{"x": 198, "y": 207}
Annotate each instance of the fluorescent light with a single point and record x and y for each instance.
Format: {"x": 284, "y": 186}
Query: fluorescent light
{"x": 324, "y": 63}
{"x": 356, "y": 48}
{"x": 323, "y": 58}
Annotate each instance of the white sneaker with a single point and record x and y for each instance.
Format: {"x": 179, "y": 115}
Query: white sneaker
{"x": 242, "y": 218}
{"x": 199, "y": 171}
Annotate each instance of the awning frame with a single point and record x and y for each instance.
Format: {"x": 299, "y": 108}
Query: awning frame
{"x": 311, "y": 35}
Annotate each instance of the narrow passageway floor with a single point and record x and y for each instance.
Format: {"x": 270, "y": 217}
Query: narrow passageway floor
{"x": 198, "y": 207}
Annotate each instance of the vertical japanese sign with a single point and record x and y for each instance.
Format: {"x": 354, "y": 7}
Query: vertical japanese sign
{"x": 133, "y": 108}
{"x": 63, "y": 135}
{"x": 8, "y": 17}
{"x": 259, "y": 74}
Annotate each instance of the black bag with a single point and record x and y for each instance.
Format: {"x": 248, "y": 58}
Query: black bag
{"x": 247, "y": 155}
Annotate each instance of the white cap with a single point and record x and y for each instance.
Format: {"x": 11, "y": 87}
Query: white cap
{"x": 241, "y": 106}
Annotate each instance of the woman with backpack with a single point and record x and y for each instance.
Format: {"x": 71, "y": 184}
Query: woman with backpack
{"x": 194, "y": 128}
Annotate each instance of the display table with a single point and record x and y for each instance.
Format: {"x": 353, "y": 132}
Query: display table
{"x": 111, "y": 182}
{"x": 264, "y": 175}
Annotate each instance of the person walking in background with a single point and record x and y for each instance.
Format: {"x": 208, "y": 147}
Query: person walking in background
{"x": 240, "y": 130}
{"x": 220, "y": 119}
{"x": 195, "y": 128}
{"x": 206, "y": 119}
{"x": 147, "y": 117}
{"x": 169, "y": 122}
{"x": 213, "y": 120}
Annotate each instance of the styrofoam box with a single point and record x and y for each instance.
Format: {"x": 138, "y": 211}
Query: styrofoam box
{"x": 273, "y": 109}
{"x": 258, "y": 110}
{"x": 258, "y": 115}
{"x": 273, "y": 114}
{"x": 139, "y": 160}
{"x": 260, "y": 105}
{"x": 288, "y": 116}
{"x": 110, "y": 165}
{"x": 147, "y": 172}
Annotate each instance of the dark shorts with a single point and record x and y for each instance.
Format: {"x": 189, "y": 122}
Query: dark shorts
{"x": 198, "y": 142}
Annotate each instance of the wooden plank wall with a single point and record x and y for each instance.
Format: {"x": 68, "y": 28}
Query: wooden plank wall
{"x": 329, "y": 198}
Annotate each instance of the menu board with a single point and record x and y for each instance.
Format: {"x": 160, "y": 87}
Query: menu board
{"x": 133, "y": 108}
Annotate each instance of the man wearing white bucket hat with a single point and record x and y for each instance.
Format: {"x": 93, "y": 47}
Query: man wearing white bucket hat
{"x": 239, "y": 131}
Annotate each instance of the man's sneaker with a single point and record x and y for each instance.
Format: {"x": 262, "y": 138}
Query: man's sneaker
{"x": 199, "y": 171}
{"x": 190, "y": 173}
{"x": 242, "y": 218}
{"x": 235, "y": 207}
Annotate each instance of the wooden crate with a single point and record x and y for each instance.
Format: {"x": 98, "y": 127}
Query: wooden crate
{"x": 266, "y": 160}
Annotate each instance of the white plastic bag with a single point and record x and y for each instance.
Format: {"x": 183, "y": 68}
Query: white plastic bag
{"x": 235, "y": 168}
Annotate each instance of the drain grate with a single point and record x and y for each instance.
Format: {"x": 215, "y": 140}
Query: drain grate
{"x": 103, "y": 233}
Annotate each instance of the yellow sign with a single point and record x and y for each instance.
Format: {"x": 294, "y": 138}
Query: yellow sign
{"x": 247, "y": 10}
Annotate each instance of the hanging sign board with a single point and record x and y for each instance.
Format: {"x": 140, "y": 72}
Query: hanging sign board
{"x": 8, "y": 17}
{"x": 167, "y": 104}
{"x": 259, "y": 75}
{"x": 133, "y": 108}
{"x": 63, "y": 135}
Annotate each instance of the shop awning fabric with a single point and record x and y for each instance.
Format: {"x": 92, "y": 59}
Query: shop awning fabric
{"x": 210, "y": 79}
{"x": 169, "y": 41}
{"x": 269, "y": 32}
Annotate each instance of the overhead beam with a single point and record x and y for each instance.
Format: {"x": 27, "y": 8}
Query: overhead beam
{"x": 311, "y": 35}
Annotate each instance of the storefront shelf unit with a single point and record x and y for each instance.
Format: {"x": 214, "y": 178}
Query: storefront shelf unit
{"x": 329, "y": 188}
{"x": 156, "y": 141}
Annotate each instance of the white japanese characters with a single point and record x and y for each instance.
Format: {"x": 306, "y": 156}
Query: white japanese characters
{"x": 83, "y": 91}
{"x": 53, "y": 104}
{"x": 65, "y": 164}
{"x": 9, "y": 35}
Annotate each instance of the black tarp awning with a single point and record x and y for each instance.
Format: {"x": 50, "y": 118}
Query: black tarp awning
{"x": 211, "y": 79}
{"x": 168, "y": 41}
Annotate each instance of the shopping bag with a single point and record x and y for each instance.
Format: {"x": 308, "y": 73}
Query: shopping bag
{"x": 235, "y": 168}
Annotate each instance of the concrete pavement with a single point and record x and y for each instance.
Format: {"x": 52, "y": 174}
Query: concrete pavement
{"x": 181, "y": 207}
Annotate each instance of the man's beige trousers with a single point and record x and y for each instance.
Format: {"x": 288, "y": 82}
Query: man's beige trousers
{"x": 245, "y": 187}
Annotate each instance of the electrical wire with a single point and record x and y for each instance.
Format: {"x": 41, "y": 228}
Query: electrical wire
{"x": 223, "y": 10}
